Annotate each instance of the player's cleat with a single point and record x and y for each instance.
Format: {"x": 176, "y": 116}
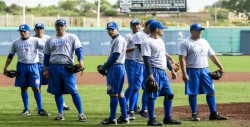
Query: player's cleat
{"x": 66, "y": 108}
{"x": 171, "y": 121}
{"x": 131, "y": 115}
{"x": 195, "y": 117}
{"x": 107, "y": 121}
{"x": 121, "y": 120}
{"x": 154, "y": 122}
{"x": 216, "y": 116}
{"x": 144, "y": 113}
{"x": 25, "y": 112}
{"x": 82, "y": 118}
{"x": 42, "y": 112}
{"x": 137, "y": 110}
{"x": 59, "y": 117}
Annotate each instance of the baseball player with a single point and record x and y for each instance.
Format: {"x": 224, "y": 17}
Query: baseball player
{"x": 27, "y": 48}
{"x": 59, "y": 52}
{"x": 154, "y": 57}
{"x": 129, "y": 62}
{"x": 39, "y": 33}
{"x": 138, "y": 69}
{"x": 115, "y": 76}
{"x": 193, "y": 57}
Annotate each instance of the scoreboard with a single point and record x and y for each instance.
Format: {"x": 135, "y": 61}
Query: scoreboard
{"x": 153, "y": 5}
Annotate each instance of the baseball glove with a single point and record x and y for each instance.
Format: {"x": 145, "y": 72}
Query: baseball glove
{"x": 151, "y": 85}
{"x": 74, "y": 68}
{"x": 216, "y": 75}
{"x": 101, "y": 70}
{"x": 12, "y": 73}
{"x": 176, "y": 66}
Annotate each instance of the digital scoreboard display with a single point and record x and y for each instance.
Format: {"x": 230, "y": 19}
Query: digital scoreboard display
{"x": 153, "y": 5}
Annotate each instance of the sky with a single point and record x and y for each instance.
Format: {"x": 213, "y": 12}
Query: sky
{"x": 193, "y": 5}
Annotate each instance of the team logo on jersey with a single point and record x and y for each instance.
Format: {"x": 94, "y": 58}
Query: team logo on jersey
{"x": 25, "y": 50}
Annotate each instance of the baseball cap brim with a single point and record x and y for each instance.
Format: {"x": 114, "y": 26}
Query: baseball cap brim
{"x": 23, "y": 30}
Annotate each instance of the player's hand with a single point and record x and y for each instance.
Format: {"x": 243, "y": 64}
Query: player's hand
{"x": 5, "y": 71}
{"x": 173, "y": 73}
{"x": 185, "y": 77}
{"x": 46, "y": 73}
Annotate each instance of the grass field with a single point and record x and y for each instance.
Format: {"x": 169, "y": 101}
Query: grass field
{"x": 230, "y": 63}
{"x": 96, "y": 101}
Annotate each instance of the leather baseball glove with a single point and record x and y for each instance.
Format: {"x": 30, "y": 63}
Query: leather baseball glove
{"x": 176, "y": 66}
{"x": 101, "y": 70}
{"x": 74, "y": 68}
{"x": 12, "y": 73}
{"x": 151, "y": 85}
{"x": 216, "y": 75}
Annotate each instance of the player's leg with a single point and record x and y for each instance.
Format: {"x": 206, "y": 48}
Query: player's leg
{"x": 129, "y": 71}
{"x": 123, "y": 119}
{"x": 112, "y": 90}
{"x": 69, "y": 85}
{"x": 152, "y": 96}
{"x": 34, "y": 82}
{"x": 25, "y": 98}
{"x": 168, "y": 94}
{"x": 21, "y": 81}
{"x": 208, "y": 88}
{"x": 59, "y": 104}
{"x": 192, "y": 89}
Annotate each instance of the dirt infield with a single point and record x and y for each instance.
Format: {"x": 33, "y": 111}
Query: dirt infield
{"x": 238, "y": 113}
{"x": 93, "y": 78}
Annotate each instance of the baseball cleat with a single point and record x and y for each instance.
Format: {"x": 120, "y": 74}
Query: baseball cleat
{"x": 26, "y": 112}
{"x": 216, "y": 116}
{"x": 131, "y": 115}
{"x": 59, "y": 117}
{"x": 121, "y": 120}
{"x": 154, "y": 122}
{"x": 195, "y": 117}
{"x": 107, "y": 121}
{"x": 171, "y": 121}
{"x": 66, "y": 108}
{"x": 144, "y": 113}
{"x": 82, "y": 118}
{"x": 42, "y": 112}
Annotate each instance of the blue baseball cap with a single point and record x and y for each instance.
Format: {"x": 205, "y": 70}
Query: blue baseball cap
{"x": 39, "y": 25}
{"x": 134, "y": 22}
{"x": 157, "y": 24}
{"x": 60, "y": 22}
{"x": 196, "y": 27}
{"x": 149, "y": 21}
{"x": 112, "y": 25}
{"x": 24, "y": 27}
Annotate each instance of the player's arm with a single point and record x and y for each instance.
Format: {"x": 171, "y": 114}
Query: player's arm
{"x": 138, "y": 46}
{"x": 79, "y": 54}
{"x": 182, "y": 60}
{"x": 7, "y": 63}
{"x": 146, "y": 60}
{"x": 130, "y": 50}
{"x": 170, "y": 58}
{"x": 216, "y": 62}
{"x": 111, "y": 60}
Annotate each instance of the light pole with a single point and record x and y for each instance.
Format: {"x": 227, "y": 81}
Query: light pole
{"x": 215, "y": 13}
{"x": 98, "y": 13}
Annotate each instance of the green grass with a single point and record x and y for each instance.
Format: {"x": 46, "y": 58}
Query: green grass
{"x": 96, "y": 101}
{"x": 230, "y": 63}
{"x": 96, "y": 106}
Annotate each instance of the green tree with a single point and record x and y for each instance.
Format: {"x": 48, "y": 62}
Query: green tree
{"x": 68, "y": 5}
{"x": 2, "y": 6}
{"x": 14, "y": 9}
{"x": 238, "y": 6}
{"x": 110, "y": 12}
